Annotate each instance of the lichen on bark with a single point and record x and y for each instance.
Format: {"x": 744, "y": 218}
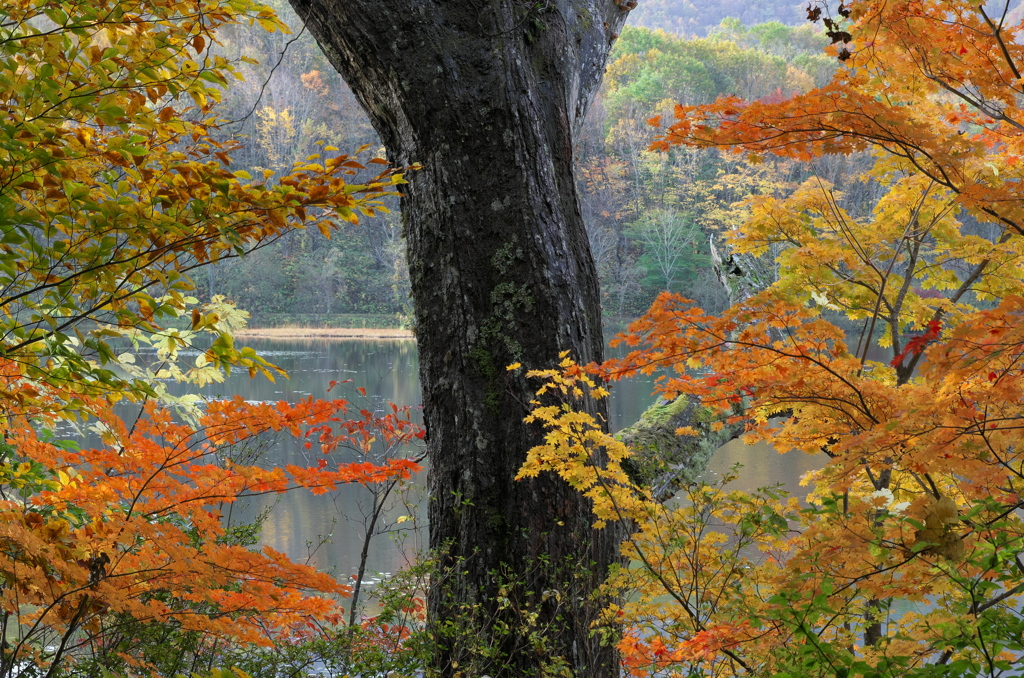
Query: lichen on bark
{"x": 664, "y": 461}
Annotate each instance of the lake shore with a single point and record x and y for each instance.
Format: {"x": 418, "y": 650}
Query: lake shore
{"x": 324, "y": 333}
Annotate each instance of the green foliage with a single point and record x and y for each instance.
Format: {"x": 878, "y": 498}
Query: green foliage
{"x": 648, "y": 68}
{"x": 104, "y": 210}
{"x": 628, "y": 191}
{"x": 362, "y": 270}
{"x": 674, "y": 249}
{"x": 774, "y": 37}
{"x": 698, "y": 17}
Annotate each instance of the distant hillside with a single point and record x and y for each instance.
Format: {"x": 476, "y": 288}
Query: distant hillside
{"x": 697, "y": 17}
{"x": 691, "y": 18}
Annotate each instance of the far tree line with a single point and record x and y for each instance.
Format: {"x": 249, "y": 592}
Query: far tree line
{"x": 649, "y": 216}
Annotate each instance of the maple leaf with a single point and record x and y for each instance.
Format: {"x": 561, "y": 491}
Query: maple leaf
{"x": 917, "y": 344}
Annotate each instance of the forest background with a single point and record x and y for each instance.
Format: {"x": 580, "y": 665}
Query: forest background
{"x": 649, "y": 215}
{"x": 119, "y": 557}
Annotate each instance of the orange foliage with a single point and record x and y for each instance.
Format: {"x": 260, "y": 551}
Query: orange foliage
{"x": 902, "y": 561}
{"x": 116, "y": 181}
{"x": 91, "y": 533}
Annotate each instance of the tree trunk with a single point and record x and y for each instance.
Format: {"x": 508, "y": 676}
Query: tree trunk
{"x": 485, "y": 95}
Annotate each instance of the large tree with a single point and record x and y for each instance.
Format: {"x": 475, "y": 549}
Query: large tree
{"x": 485, "y": 96}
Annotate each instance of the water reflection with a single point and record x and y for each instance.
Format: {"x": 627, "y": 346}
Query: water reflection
{"x": 326, "y": 531}
{"x": 764, "y": 466}
{"x": 387, "y": 368}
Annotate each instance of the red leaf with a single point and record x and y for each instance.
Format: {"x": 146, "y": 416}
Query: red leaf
{"x": 918, "y": 343}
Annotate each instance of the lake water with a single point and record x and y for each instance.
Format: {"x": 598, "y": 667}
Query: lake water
{"x": 326, "y": 531}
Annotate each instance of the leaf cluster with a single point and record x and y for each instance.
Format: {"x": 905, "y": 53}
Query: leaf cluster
{"x": 889, "y": 339}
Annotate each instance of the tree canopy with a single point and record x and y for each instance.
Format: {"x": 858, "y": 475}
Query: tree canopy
{"x": 889, "y": 339}
{"x": 115, "y": 183}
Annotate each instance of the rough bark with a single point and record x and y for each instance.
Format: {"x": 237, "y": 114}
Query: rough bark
{"x": 742, "y": 275}
{"x": 485, "y": 95}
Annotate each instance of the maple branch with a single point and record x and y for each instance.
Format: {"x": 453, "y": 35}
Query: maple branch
{"x": 890, "y": 143}
{"x": 641, "y": 554}
{"x": 965, "y": 286}
{"x": 367, "y": 537}
{"x": 71, "y": 628}
{"x": 915, "y": 250}
{"x": 984, "y": 107}
{"x": 844, "y": 227}
{"x": 863, "y": 409}
{"x": 997, "y": 33}
{"x": 895, "y": 306}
